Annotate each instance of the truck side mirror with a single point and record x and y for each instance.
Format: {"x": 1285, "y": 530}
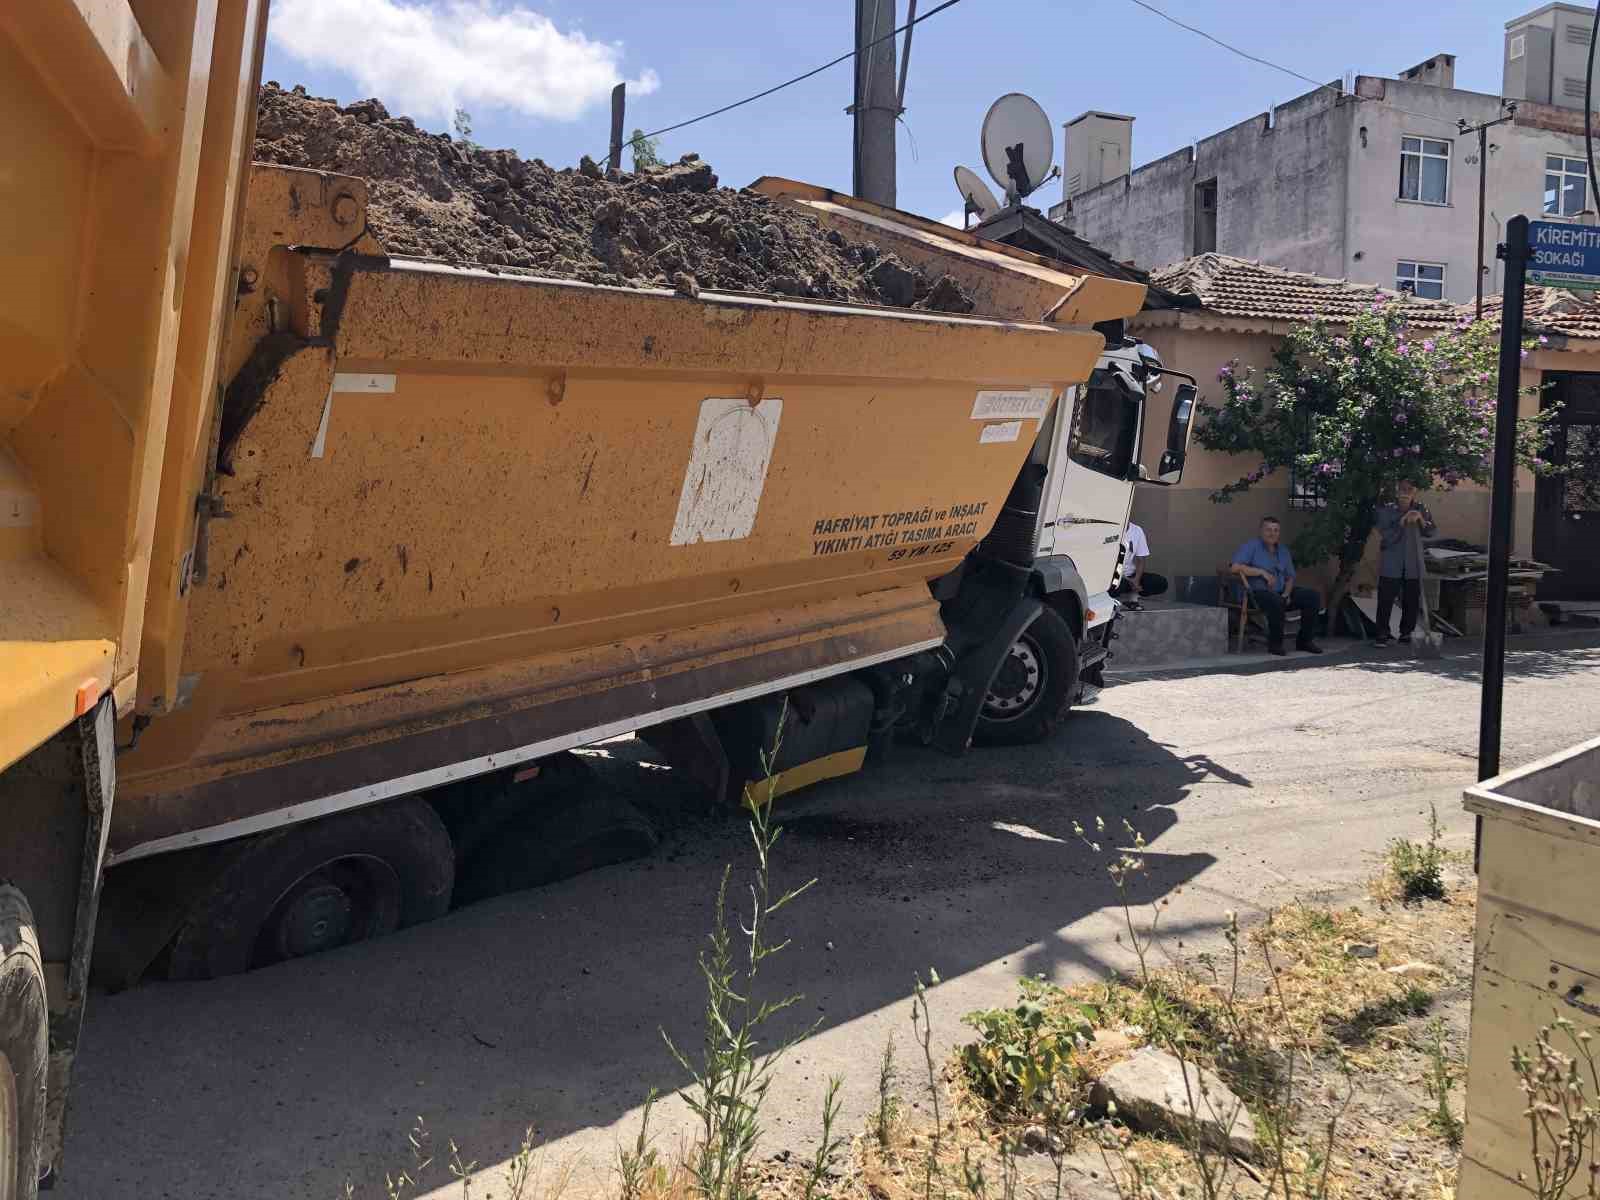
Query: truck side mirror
{"x": 1170, "y": 470}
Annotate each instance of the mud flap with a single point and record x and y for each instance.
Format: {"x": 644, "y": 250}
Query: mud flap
{"x": 93, "y": 784}
{"x": 974, "y": 674}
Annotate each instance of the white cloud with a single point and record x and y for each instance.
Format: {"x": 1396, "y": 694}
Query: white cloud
{"x": 428, "y": 59}
{"x": 956, "y": 218}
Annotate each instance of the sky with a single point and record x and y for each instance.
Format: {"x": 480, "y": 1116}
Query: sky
{"x": 536, "y": 75}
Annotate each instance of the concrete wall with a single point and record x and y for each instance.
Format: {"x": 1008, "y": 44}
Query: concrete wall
{"x": 1280, "y": 192}
{"x": 1314, "y": 187}
{"x": 1191, "y": 535}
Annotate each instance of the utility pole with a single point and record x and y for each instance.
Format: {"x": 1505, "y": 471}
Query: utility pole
{"x": 619, "y": 107}
{"x": 875, "y": 109}
{"x": 1483, "y": 180}
{"x": 1502, "y": 498}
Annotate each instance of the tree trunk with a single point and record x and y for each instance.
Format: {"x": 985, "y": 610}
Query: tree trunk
{"x": 1350, "y": 559}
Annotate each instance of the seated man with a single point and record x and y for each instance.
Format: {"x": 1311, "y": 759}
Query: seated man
{"x": 1267, "y": 568}
{"x": 1136, "y": 581}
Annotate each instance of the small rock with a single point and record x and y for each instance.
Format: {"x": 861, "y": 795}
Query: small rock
{"x": 688, "y": 174}
{"x": 830, "y": 946}
{"x": 897, "y": 284}
{"x": 1360, "y": 950}
{"x": 1415, "y": 970}
{"x": 685, "y": 284}
{"x": 1151, "y": 1094}
{"x": 368, "y": 112}
{"x": 947, "y": 295}
{"x": 1037, "y": 1139}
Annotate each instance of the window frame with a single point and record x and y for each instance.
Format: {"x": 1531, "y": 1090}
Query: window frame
{"x": 1416, "y": 265}
{"x": 1119, "y": 461}
{"x": 1422, "y": 154}
{"x": 1567, "y": 171}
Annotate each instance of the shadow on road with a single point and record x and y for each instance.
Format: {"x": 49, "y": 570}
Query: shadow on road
{"x": 1531, "y": 657}
{"x": 545, "y": 1006}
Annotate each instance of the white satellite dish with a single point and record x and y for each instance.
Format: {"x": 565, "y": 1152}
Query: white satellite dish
{"x": 976, "y": 193}
{"x": 1018, "y": 144}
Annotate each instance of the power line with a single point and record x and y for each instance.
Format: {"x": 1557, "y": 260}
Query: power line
{"x": 1245, "y": 54}
{"x": 845, "y": 57}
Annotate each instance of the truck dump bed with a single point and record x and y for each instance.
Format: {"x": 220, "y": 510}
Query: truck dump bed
{"x": 473, "y": 517}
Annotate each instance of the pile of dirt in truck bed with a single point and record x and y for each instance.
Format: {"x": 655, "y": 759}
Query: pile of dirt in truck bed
{"x": 672, "y": 226}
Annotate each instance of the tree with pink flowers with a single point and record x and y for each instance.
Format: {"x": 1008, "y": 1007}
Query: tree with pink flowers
{"x": 1355, "y": 408}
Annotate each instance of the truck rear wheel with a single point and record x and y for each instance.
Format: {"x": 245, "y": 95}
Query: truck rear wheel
{"x": 555, "y": 841}
{"x": 1034, "y": 687}
{"x": 24, "y": 1049}
{"x": 319, "y": 885}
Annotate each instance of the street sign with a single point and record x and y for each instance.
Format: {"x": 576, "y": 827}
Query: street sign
{"x": 1564, "y": 255}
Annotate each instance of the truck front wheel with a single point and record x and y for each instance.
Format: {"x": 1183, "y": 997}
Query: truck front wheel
{"x": 24, "y": 1049}
{"x": 1034, "y": 687}
{"x": 319, "y": 885}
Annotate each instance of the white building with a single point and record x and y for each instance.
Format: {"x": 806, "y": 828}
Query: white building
{"x": 1377, "y": 184}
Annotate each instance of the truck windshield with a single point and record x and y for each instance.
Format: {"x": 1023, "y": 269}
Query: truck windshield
{"x": 1105, "y": 423}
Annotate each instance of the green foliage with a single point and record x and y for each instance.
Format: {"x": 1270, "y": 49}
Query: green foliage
{"x": 1440, "y": 1082}
{"x": 646, "y": 150}
{"x": 1021, "y": 1050}
{"x": 462, "y": 124}
{"x": 1418, "y": 869}
{"x": 1562, "y": 1094}
{"x": 734, "y": 1072}
{"x": 888, "y": 1108}
{"x": 639, "y": 1170}
{"x": 1355, "y": 409}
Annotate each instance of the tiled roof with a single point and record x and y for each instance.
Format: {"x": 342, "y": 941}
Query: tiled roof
{"x": 1553, "y": 310}
{"x": 1237, "y": 287}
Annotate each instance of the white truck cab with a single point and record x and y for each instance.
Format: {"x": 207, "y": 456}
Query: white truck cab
{"x": 1092, "y": 450}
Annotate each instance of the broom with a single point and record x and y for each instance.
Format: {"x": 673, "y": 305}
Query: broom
{"x": 1429, "y": 642}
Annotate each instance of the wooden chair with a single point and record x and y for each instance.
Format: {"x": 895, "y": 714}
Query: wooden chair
{"x": 1244, "y": 618}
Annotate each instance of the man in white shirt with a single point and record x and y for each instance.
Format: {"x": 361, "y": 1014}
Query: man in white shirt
{"x": 1136, "y": 581}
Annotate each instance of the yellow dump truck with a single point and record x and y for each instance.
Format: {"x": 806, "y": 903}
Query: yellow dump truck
{"x": 313, "y": 560}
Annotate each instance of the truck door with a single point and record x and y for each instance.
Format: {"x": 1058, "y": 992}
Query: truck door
{"x": 1092, "y": 472}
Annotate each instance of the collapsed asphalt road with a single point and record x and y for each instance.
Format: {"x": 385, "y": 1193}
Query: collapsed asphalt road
{"x": 543, "y": 1008}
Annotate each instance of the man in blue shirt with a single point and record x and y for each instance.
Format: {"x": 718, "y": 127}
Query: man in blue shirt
{"x": 1267, "y": 569}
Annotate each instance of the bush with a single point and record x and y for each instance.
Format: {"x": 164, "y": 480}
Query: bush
{"x": 1419, "y": 868}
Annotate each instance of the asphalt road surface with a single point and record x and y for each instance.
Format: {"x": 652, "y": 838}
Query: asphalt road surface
{"x": 1252, "y": 787}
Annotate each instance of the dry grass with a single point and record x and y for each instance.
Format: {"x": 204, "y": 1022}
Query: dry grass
{"x": 1333, "y": 1007}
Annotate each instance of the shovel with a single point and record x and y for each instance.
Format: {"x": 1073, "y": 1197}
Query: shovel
{"x": 1429, "y": 643}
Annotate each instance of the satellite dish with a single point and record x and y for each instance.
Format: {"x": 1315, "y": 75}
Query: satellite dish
{"x": 976, "y": 193}
{"x": 1018, "y": 144}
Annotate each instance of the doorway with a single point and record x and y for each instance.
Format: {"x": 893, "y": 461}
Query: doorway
{"x": 1566, "y": 513}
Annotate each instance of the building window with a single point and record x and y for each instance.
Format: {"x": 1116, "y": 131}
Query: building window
{"x": 1425, "y": 170}
{"x": 1519, "y": 46}
{"x": 1306, "y": 491}
{"x": 1205, "y": 217}
{"x": 1420, "y": 279}
{"x": 1566, "y": 185}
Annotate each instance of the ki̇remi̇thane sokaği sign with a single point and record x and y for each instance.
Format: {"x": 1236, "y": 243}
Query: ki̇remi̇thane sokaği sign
{"x": 1564, "y": 255}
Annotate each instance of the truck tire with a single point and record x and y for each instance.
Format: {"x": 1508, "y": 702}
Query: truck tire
{"x": 24, "y": 1049}
{"x": 315, "y": 886}
{"x": 555, "y": 841}
{"x": 1034, "y": 688}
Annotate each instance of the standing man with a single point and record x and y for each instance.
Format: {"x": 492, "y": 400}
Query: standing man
{"x": 1136, "y": 581}
{"x": 1267, "y": 568}
{"x": 1400, "y": 560}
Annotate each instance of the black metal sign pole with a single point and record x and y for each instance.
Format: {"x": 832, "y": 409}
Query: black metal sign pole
{"x": 1515, "y": 253}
